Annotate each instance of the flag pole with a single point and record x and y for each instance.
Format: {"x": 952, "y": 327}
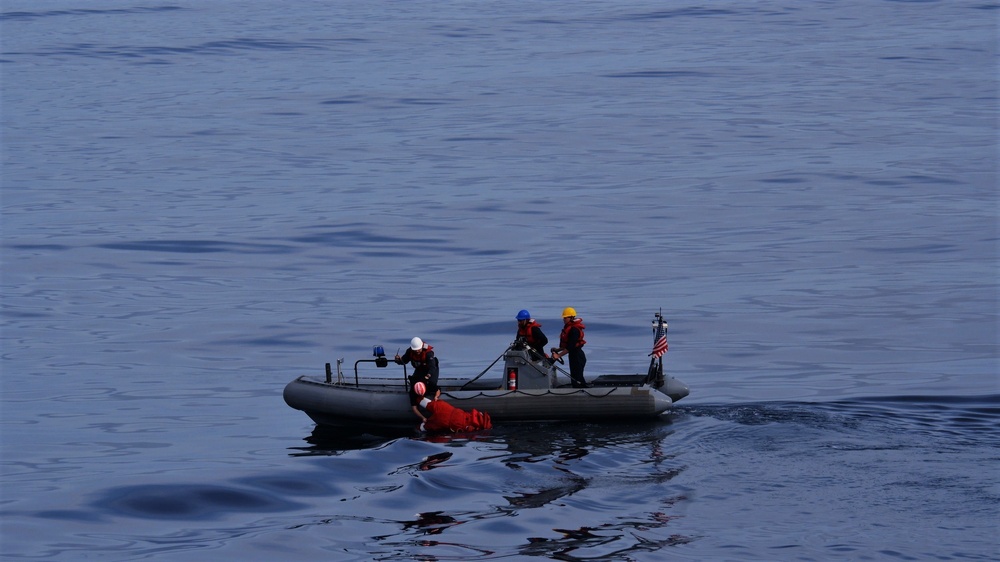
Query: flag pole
{"x": 654, "y": 376}
{"x": 659, "y": 370}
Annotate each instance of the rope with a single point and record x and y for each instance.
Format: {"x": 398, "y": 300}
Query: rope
{"x": 474, "y": 379}
{"x": 547, "y": 391}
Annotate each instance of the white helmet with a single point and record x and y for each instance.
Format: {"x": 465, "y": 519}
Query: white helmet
{"x": 416, "y": 344}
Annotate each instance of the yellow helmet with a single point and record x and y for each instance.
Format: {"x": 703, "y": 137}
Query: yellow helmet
{"x": 569, "y": 311}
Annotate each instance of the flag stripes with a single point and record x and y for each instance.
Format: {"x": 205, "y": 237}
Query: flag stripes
{"x": 660, "y": 343}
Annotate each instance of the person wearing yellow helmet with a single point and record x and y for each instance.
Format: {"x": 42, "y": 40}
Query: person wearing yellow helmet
{"x": 571, "y": 343}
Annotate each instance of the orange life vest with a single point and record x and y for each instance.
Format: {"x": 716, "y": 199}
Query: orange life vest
{"x": 420, "y": 356}
{"x": 527, "y": 332}
{"x": 564, "y": 335}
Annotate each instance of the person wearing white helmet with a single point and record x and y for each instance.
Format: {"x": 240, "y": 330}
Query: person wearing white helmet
{"x": 425, "y": 370}
{"x": 571, "y": 343}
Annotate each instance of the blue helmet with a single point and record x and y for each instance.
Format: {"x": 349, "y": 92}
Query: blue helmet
{"x": 523, "y": 315}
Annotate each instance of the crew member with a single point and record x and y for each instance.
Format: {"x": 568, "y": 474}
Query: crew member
{"x": 571, "y": 343}
{"x": 530, "y": 332}
{"x": 425, "y": 370}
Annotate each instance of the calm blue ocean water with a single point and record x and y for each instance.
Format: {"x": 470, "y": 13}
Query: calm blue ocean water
{"x": 204, "y": 200}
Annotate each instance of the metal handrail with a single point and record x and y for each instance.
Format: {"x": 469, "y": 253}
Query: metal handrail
{"x": 379, "y": 362}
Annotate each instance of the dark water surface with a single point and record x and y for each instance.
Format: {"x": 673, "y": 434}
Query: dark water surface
{"x": 201, "y": 201}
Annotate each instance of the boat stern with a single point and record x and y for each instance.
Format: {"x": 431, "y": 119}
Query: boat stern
{"x": 675, "y": 389}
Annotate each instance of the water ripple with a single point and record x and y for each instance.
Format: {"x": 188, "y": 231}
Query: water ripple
{"x": 196, "y": 247}
{"x": 222, "y": 47}
{"x": 699, "y": 12}
{"x": 656, "y": 74}
{"x": 84, "y": 12}
{"x": 188, "y": 501}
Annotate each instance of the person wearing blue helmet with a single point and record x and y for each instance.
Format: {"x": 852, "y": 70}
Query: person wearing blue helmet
{"x": 530, "y": 332}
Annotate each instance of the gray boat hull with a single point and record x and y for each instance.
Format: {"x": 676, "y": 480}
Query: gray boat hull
{"x": 530, "y": 390}
{"x": 340, "y": 403}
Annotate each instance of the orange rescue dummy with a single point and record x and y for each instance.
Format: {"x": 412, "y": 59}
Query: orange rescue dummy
{"x": 445, "y": 418}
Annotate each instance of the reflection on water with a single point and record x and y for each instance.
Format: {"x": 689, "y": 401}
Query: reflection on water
{"x": 431, "y": 523}
{"x": 538, "y": 470}
{"x": 325, "y": 440}
{"x": 189, "y": 501}
{"x": 577, "y": 491}
{"x": 633, "y": 489}
{"x": 427, "y": 463}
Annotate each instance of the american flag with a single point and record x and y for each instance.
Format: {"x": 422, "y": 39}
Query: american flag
{"x": 660, "y": 343}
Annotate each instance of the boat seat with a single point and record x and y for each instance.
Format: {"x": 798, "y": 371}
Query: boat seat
{"x": 619, "y": 380}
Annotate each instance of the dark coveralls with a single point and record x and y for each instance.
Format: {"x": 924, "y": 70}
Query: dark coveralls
{"x": 571, "y": 339}
{"x": 530, "y": 333}
{"x": 425, "y": 370}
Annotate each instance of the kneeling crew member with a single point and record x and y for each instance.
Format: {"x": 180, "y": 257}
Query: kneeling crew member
{"x": 425, "y": 370}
